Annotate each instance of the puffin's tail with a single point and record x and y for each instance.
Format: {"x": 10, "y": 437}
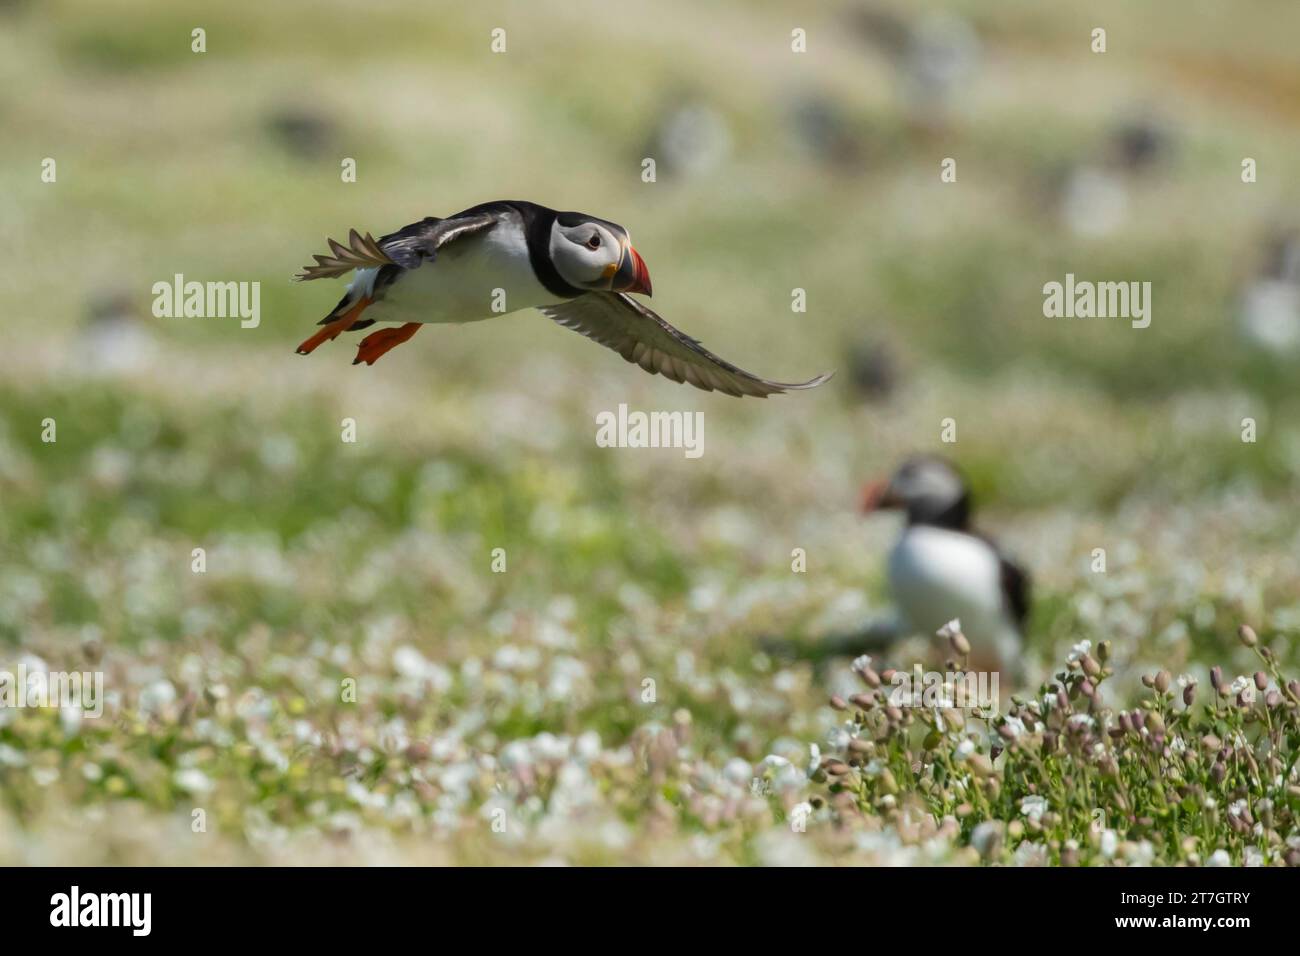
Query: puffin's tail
{"x": 364, "y": 253}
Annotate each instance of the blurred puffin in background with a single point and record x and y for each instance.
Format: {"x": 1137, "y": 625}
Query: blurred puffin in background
{"x": 1268, "y": 313}
{"x": 940, "y": 568}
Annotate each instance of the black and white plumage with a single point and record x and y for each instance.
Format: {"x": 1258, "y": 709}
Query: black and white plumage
{"x": 500, "y": 257}
{"x": 941, "y": 569}
{"x": 1268, "y": 313}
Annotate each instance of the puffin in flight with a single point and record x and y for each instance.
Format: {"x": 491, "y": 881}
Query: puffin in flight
{"x": 940, "y": 569}
{"x": 504, "y": 256}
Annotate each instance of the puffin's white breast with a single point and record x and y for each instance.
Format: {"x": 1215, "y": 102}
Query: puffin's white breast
{"x": 471, "y": 279}
{"x": 936, "y": 575}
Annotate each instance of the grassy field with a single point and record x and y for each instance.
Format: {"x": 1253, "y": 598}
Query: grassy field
{"x": 350, "y": 681}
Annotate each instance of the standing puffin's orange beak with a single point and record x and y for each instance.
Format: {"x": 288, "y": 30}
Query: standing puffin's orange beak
{"x": 632, "y": 275}
{"x": 876, "y": 497}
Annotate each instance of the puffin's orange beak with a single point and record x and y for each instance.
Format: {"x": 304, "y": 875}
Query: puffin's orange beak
{"x": 632, "y": 275}
{"x": 876, "y": 496}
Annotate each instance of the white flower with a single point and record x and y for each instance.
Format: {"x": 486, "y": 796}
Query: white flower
{"x": 1254, "y": 856}
{"x": 1030, "y": 854}
{"x": 1245, "y": 686}
{"x": 1238, "y": 808}
{"x": 192, "y": 780}
{"x": 1033, "y": 807}
{"x": 1082, "y": 720}
{"x": 983, "y": 836}
{"x": 1079, "y": 650}
{"x": 738, "y": 771}
{"x": 588, "y": 746}
{"x": 862, "y": 663}
{"x": 157, "y": 696}
{"x": 1140, "y": 854}
{"x": 774, "y": 762}
{"x": 837, "y": 738}
{"x": 814, "y": 759}
{"x": 965, "y": 749}
{"x": 1109, "y": 843}
{"x": 70, "y": 720}
{"x": 949, "y": 629}
{"x": 1219, "y": 858}
{"x": 1015, "y": 725}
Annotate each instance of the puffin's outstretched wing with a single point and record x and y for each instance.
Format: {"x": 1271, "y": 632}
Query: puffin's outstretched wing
{"x": 619, "y": 322}
{"x": 407, "y": 247}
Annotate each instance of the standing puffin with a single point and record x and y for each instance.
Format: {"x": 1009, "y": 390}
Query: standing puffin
{"x": 509, "y": 255}
{"x": 941, "y": 569}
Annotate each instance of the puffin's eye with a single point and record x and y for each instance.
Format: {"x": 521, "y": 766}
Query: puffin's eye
{"x": 594, "y": 241}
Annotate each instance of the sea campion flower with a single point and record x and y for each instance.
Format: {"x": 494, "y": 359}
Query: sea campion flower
{"x": 1188, "y": 684}
{"x": 1244, "y": 688}
{"x": 1033, "y": 807}
{"x": 948, "y": 630}
{"x": 837, "y": 738}
{"x": 1135, "y": 760}
{"x": 987, "y": 837}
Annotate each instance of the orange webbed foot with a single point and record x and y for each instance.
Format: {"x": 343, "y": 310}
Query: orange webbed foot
{"x": 377, "y": 343}
{"x": 335, "y": 328}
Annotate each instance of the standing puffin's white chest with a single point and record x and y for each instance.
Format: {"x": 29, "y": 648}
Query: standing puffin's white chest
{"x": 936, "y": 575}
{"x": 468, "y": 281}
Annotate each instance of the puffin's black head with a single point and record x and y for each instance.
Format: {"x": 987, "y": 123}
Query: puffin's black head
{"x": 929, "y": 489}
{"x": 596, "y": 254}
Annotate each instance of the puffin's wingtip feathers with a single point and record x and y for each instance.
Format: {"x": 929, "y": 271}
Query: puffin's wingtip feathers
{"x": 811, "y": 383}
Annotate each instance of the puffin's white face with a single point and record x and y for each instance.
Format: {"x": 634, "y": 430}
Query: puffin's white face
{"x": 597, "y": 255}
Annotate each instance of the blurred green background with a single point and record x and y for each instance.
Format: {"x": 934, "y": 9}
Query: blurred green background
{"x": 775, "y": 170}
